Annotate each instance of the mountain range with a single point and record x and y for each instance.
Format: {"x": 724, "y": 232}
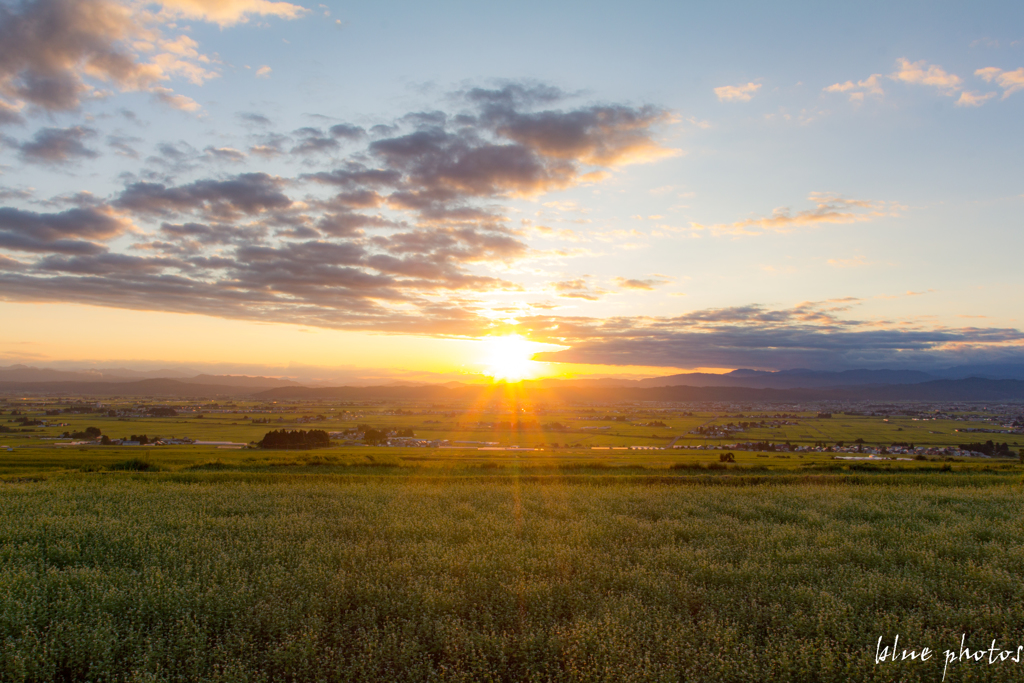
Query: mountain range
{"x": 964, "y": 383}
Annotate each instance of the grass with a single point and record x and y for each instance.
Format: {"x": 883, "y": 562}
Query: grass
{"x": 234, "y": 576}
{"x": 353, "y": 563}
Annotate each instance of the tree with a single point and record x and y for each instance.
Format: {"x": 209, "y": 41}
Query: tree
{"x": 92, "y": 432}
{"x": 298, "y": 439}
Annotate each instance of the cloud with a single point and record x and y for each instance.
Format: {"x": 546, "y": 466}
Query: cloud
{"x": 123, "y": 146}
{"x": 229, "y": 12}
{"x": 811, "y": 335}
{"x": 404, "y": 231}
{"x": 1009, "y": 81}
{"x": 263, "y": 72}
{"x": 923, "y": 73}
{"x": 870, "y": 85}
{"x": 918, "y": 73}
{"x": 10, "y": 114}
{"x": 228, "y": 154}
{"x": 58, "y": 145}
{"x": 346, "y": 131}
{"x": 167, "y": 96}
{"x": 314, "y": 141}
{"x": 737, "y": 93}
{"x": 75, "y": 231}
{"x": 270, "y": 145}
{"x": 244, "y": 194}
{"x": 254, "y": 118}
{"x": 973, "y": 99}
{"x": 643, "y": 285}
{"x": 854, "y": 262}
{"x": 579, "y": 288}
{"x": 829, "y": 208}
{"x": 599, "y": 136}
{"x": 54, "y": 53}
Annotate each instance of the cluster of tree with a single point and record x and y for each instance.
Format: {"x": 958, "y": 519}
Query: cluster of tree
{"x": 261, "y": 421}
{"x": 713, "y": 429}
{"x": 727, "y": 457}
{"x": 615, "y": 418}
{"x": 298, "y": 439}
{"x": 656, "y": 423}
{"x": 28, "y": 421}
{"x": 553, "y": 427}
{"x": 89, "y": 433}
{"x": 141, "y": 438}
{"x": 989, "y": 448}
{"x": 161, "y": 411}
{"x": 375, "y": 437}
{"x": 747, "y": 425}
{"x": 771, "y": 447}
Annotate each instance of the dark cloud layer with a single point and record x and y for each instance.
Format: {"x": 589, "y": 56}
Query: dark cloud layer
{"x": 247, "y": 193}
{"x": 58, "y": 145}
{"x": 808, "y": 336}
{"x": 75, "y": 231}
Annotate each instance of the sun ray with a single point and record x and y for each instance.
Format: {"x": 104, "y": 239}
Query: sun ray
{"x": 509, "y": 357}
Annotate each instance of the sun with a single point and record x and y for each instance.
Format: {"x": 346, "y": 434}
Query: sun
{"x": 509, "y": 357}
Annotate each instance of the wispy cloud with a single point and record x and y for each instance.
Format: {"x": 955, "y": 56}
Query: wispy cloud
{"x": 737, "y": 93}
{"x": 853, "y": 262}
{"x": 934, "y": 76}
{"x": 579, "y": 288}
{"x": 645, "y": 284}
{"x": 867, "y": 86}
{"x": 828, "y": 208}
{"x": 1009, "y": 81}
{"x": 923, "y": 73}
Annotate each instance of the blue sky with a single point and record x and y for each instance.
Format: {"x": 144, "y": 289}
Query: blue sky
{"x": 653, "y": 187}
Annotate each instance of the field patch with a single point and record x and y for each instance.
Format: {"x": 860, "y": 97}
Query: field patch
{"x": 143, "y": 576}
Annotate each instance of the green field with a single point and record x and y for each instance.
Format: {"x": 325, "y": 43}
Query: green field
{"x": 248, "y": 578}
{"x": 193, "y": 563}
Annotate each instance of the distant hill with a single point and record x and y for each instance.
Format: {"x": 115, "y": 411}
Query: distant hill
{"x": 790, "y": 379}
{"x": 974, "y": 389}
{"x": 241, "y": 381}
{"x": 146, "y": 387}
{"x": 29, "y": 374}
{"x": 789, "y": 386}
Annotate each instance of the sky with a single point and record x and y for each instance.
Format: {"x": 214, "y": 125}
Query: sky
{"x": 394, "y": 190}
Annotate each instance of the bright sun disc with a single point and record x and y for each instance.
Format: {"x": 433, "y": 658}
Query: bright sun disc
{"x": 508, "y": 357}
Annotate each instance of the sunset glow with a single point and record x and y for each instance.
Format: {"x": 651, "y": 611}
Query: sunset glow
{"x": 509, "y": 357}
{"x": 196, "y": 176}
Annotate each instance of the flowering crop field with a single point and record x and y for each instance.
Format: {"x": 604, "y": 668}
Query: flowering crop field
{"x": 211, "y": 577}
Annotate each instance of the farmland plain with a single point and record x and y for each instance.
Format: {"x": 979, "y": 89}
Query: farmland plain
{"x": 153, "y": 563}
